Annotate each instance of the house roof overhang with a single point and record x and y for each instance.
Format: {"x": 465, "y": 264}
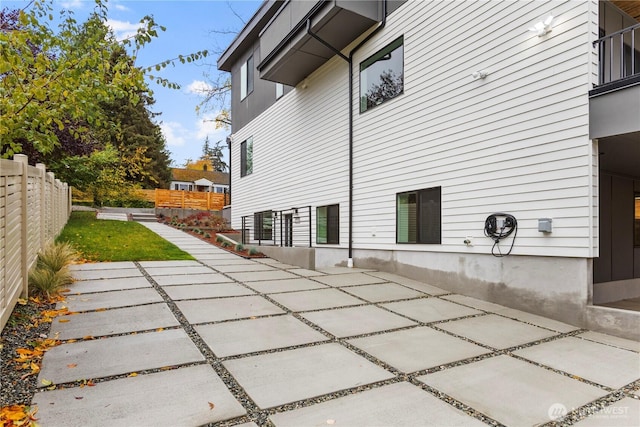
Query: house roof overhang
{"x": 248, "y": 35}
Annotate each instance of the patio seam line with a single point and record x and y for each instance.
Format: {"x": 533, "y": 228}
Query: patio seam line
{"x": 398, "y": 375}
{"x": 225, "y": 376}
{"x": 582, "y": 411}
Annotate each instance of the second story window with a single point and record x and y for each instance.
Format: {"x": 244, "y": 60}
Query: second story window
{"x": 246, "y": 157}
{"x": 246, "y": 78}
{"x": 279, "y": 90}
{"x": 382, "y": 75}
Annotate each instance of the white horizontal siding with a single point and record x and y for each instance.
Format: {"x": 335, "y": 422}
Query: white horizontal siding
{"x": 300, "y": 150}
{"x": 515, "y": 142}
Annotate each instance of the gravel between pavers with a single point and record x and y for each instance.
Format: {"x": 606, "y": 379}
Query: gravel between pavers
{"x": 13, "y": 389}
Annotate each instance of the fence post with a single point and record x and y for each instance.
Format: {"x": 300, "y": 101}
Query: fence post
{"x": 42, "y": 170}
{"x": 182, "y": 202}
{"x": 24, "y": 247}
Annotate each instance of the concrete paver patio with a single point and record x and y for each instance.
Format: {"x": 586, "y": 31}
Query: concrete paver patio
{"x": 253, "y": 342}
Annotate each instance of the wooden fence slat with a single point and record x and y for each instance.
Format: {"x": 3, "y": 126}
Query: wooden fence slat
{"x": 34, "y": 207}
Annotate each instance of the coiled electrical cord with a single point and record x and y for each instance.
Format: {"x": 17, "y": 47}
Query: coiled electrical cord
{"x": 496, "y": 233}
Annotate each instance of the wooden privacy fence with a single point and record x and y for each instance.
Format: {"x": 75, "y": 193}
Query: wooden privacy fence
{"x": 190, "y": 200}
{"x": 34, "y": 207}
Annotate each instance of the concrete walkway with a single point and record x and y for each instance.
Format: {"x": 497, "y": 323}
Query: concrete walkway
{"x": 243, "y": 342}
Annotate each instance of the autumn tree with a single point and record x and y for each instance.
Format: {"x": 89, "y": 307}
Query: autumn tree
{"x": 214, "y": 155}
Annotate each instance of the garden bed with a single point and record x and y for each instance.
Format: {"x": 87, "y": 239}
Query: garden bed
{"x": 212, "y": 229}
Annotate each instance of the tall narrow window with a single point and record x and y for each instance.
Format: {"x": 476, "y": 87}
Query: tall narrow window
{"x": 263, "y": 225}
{"x": 418, "y": 216}
{"x": 279, "y": 90}
{"x": 246, "y": 157}
{"x": 246, "y": 78}
{"x": 328, "y": 224}
{"x": 382, "y": 75}
{"x": 636, "y": 221}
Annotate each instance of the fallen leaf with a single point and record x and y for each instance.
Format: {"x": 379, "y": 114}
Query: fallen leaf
{"x": 22, "y": 301}
{"x": 90, "y": 383}
{"x": 101, "y": 309}
{"x": 72, "y": 365}
{"x": 79, "y": 397}
{"x": 133, "y": 374}
{"x": 159, "y": 329}
{"x": 72, "y": 340}
{"x": 211, "y": 405}
{"x": 46, "y": 382}
{"x": 63, "y": 320}
{"x": 53, "y": 387}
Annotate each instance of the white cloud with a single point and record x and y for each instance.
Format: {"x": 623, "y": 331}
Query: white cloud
{"x": 207, "y": 127}
{"x": 121, "y": 7}
{"x": 123, "y": 29}
{"x": 72, "y": 4}
{"x": 199, "y": 87}
{"x": 174, "y": 133}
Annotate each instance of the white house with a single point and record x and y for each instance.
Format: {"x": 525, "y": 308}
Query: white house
{"x": 404, "y": 132}
{"x": 199, "y": 180}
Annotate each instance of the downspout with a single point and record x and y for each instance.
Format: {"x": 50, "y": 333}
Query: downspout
{"x": 349, "y": 60}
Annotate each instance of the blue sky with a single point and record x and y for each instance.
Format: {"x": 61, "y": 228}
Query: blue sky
{"x": 189, "y": 29}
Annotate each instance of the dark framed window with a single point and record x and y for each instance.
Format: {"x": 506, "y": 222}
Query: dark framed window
{"x": 246, "y": 78}
{"x": 418, "y": 216}
{"x": 263, "y": 225}
{"x": 382, "y": 75}
{"x": 636, "y": 221}
{"x": 328, "y": 224}
{"x": 246, "y": 157}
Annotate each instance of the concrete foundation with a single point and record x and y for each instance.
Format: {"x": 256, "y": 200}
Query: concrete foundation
{"x": 180, "y": 213}
{"x": 554, "y": 287}
{"x": 302, "y": 257}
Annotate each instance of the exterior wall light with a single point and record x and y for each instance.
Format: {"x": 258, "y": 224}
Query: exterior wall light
{"x": 482, "y": 74}
{"x": 543, "y": 27}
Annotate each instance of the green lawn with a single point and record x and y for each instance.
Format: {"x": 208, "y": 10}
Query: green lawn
{"x": 105, "y": 240}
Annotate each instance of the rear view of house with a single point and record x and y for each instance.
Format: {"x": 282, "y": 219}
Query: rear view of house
{"x": 490, "y": 148}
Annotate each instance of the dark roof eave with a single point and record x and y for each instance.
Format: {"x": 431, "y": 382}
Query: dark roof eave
{"x": 249, "y": 34}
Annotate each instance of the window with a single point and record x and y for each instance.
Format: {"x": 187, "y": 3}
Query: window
{"x": 279, "y": 90}
{"x": 382, "y": 76}
{"x": 636, "y": 222}
{"x": 246, "y": 157}
{"x": 246, "y": 78}
{"x": 328, "y": 224}
{"x": 263, "y": 225}
{"x": 418, "y": 217}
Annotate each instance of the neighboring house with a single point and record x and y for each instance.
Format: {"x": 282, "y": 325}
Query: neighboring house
{"x": 199, "y": 180}
{"x": 405, "y": 133}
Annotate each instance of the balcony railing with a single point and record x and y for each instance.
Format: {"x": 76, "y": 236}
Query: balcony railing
{"x": 291, "y": 227}
{"x": 619, "y": 55}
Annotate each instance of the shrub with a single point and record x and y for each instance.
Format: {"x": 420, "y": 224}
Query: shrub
{"x": 226, "y": 244}
{"x": 219, "y": 239}
{"x": 239, "y": 247}
{"x": 51, "y": 271}
{"x": 253, "y": 251}
{"x": 56, "y": 256}
{"x": 47, "y": 282}
{"x": 197, "y": 230}
{"x": 206, "y": 235}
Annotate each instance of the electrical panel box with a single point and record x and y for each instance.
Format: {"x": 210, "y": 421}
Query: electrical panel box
{"x": 545, "y": 225}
